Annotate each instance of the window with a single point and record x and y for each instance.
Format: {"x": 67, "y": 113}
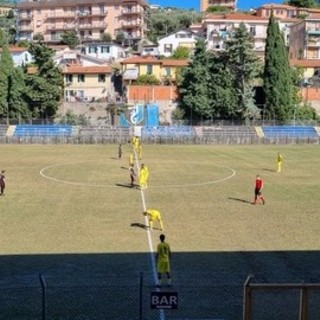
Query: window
{"x": 81, "y": 78}
{"x": 26, "y": 57}
{"x": 101, "y": 7}
{"x": 101, "y": 78}
{"x": 116, "y": 7}
{"x": 105, "y": 49}
{"x": 168, "y": 48}
{"x": 168, "y": 72}
{"x": 69, "y": 78}
{"x": 253, "y": 30}
{"x": 149, "y": 69}
{"x": 93, "y": 49}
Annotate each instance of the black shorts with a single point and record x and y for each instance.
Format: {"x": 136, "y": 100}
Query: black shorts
{"x": 257, "y": 192}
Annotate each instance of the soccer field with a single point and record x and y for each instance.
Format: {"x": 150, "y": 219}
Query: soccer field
{"x": 68, "y": 213}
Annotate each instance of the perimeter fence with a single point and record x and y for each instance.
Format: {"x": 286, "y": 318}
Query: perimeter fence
{"x": 160, "y": 135}
{"x": 50, "y": 300}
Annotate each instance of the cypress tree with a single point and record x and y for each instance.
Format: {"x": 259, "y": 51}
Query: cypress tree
{"x": 278, "y": 84}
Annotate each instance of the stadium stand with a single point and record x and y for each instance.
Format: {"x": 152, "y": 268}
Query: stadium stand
{"x": 43, "y": 130}
{"x": 229, "y": 131}
{"x": 168, "y": 132}
{"x": 290, "y": 132}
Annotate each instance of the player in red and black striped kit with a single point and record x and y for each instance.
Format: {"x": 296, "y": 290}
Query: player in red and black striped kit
{"x": 258, "y": 190}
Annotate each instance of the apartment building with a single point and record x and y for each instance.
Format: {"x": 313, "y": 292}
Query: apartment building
{"x": 219, "y": 27}
{"x": 283, "y": 11}
{"x": 89, "y": 18}
{"x": 205, "y": 4}
{"x": 305, "y": 38}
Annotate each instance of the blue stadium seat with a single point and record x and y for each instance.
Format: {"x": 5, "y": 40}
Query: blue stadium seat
{"x": 292, "y": 132}
{"x": 43, "y": 130}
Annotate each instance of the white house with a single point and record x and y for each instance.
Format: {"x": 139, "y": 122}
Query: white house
{"x": 73, "y": 57}
{"x": 182, "y": 38}
{"x": 104, "y": 51}
{"x": 220, "y": 27}
{"x": 20, "y": 55}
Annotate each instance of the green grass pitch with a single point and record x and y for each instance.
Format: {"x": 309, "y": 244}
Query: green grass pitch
{"x": 67, "y": 202}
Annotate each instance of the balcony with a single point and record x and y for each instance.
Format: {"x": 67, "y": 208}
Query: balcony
{"x": 314, "y": 31}
{"x": 92, "y": 13}
{"x": 25, "y": 16}
{"x": 25, "y": 28}
{"x": 97, "y": 25}
{"x": 61, "y": 15}
{"x": 52, "y": 39}
{"x": 60, "y": 26}
{"x": 128, "y": 12}
{"x": 132, "y": 24}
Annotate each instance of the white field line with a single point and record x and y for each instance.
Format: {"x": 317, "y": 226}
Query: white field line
{"x": 150, "y": 242}
{"x": 42, "y": 173}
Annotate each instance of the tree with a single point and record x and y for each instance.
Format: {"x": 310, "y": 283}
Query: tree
{"x": 70, "y": 38}
{"x": 120, "y": 37}
{"x": 245, "y": 68}
{"x": 147, "y": 79}
{"x": 106, "y": 37}
{"x": 195, "y": 83}
{"x": 45, "y": 87}
{"x": 302, "y": 3}
{"x": 18, "y": 107}
{"x": 165, "y": 21}
{"x": 6, "y": 71}
{"x": 278, "y": 84}
{"x": 38, "y": 37}
{"x": 222, "y": 89}
{"x": 181, "y": 53}
{"x": 218, "y": 9}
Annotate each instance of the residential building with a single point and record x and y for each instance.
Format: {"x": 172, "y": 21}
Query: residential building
{"x": 104, "y": 51}
{"x": 90, "y": 19}
{"x": 305, "y": 38}
{"x": 73, "y": 57}
{"x": 219, "y": 27}
{"x": 182, "y": 38}
{"x": 283, "y": 11}
{"x": 166, "y": 70}
{"x": 5, "y": 8}
{"x": 87, "y": 84}
{"x": 20, "y": 55}
{"x": 205, "y": 4}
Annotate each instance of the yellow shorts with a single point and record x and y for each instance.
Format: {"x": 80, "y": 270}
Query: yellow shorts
{"x": 163, "y": 266}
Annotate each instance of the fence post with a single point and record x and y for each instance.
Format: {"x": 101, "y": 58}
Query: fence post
{"x": 44, "y": 295}
{"x": 247, "y": 304}
{"x": 304, "y": 303}
{"x": 140, "y": 296}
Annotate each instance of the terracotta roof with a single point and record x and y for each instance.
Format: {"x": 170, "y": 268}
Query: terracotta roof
{"x": 32, "y": 70}
{"x": 277, "y": 6}
{"x": 285, "y": 6}
{"x": 235, "y": 16}
{"x": 74, "y": 3}
{"x": 87, "y": 70}
{"x": 306, "y": 63}
{"x": 175, "y": 62}
{"x": 313, "y": 16}
{"x": 16, "y": 49}
{"x": 141, "y": 60}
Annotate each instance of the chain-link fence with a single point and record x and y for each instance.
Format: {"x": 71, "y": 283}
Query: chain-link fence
{"x": 50, "y": 299}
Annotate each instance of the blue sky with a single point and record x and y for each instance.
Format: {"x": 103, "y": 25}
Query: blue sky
{"x": 188, "y": 4}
